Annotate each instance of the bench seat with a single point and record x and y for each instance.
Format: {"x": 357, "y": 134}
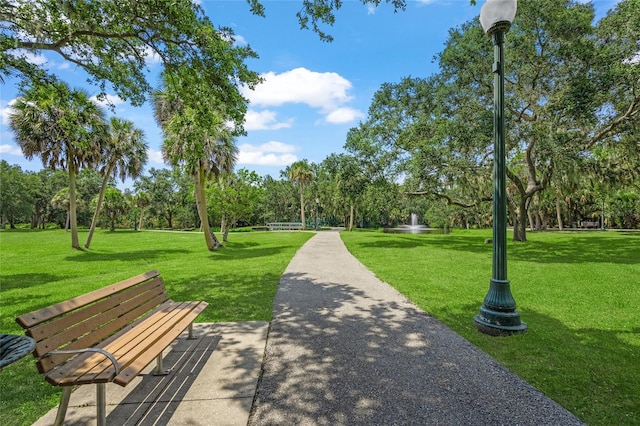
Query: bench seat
{"x": 134, "y": 347}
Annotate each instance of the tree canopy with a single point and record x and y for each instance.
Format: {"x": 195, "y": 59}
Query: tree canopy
{"x": 113, "y": 41}
{"x": 572, "y": 94}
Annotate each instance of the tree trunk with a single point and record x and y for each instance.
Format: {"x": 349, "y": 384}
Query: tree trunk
{"x": 96, "y": 214}
{"x": 559, "y": 213}
{"x": 223, "y": 226}
{"x": 225, "y": 234}
{"x": 141, "y": 221}
{"x": 530, "y": 217}
{"x": 304, "y": 222}
{"x": 538, "y": 218}
{"x": 351, "y": 218}
{"x": 520, "y": 222}
{"x": 73, "y": 223}
{"x": 201, "y": 204}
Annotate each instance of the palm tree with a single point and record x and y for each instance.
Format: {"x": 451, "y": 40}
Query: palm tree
{"x": 115, "y": 205}
{"x": 300, "y": 174}
{"x": 64, "y": 128}
{"x": 60, "y": 200}
{"x": 142, "y": 200}
{"x": 204, "y": 149}
{"x": 125, "y": 155}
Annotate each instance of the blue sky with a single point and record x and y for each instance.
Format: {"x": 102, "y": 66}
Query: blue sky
{"x": 314, "y": 91}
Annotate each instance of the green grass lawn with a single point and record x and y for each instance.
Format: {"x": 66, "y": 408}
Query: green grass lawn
{"x": 579, "y": 294}
{"x": 39, "y": 268}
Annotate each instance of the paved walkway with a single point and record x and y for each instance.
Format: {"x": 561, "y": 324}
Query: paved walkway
{"x": 345, "y": 348}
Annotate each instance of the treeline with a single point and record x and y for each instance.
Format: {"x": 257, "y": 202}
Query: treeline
{"x": 335, "y": 192}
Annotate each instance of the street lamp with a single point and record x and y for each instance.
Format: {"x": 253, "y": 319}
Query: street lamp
{"x": 317, "y": 203}
{"x": 498, "y": 315}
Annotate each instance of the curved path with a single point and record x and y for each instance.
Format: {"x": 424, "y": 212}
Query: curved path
{"x": 345, "y": 348}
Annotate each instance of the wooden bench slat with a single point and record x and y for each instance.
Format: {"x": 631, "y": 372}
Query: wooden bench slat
{"x": 96, "y": 368}
{"x": 129, "y": 373}
{"x": 55, "y": 326}
{"x": 131, "y": 345}
{"x": 122, "y": 311}
{"x": 56, "y": 376}
{"x": 95, "y": 365}
{"x": 45, "y": 314}
{"x": 99, "y": 335}
{"x": 132, "y": 352}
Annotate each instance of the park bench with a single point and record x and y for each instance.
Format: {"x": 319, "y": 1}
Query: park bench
{"x": 108, "y": 335}
{"x": 284, "y": 226}
{"x": 589, "y": 224}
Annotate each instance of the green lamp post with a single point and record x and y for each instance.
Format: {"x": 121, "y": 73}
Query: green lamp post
{"x": 498, "y": 315}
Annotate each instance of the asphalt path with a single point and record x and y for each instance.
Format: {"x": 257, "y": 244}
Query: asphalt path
{"x": 345, "y": 348}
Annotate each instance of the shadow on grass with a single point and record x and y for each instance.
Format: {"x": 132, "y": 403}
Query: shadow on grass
{"x": 92, "y": 256}
{"x": 573, "y": 249}
{"x": 246, "y": 250}
{"x": 15, "y": 281}
{"x": 592, "y": 372}
{"x": 579, "y": 249}
{"x": 231, "y": 251}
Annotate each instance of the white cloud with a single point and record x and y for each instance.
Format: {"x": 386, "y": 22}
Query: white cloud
{"x": 240, "y": 40}
{"x": 5, "y": 111}
{"x": 151, "y": 57}
{"x": 371, "y": 9}
{"x": 10, "y": 149}
{"x": 325, "y": 91}
{"x": 344, "y": 115}
{"x": 155, "y": 156}
{"x": 272, "y": 153}
{"x": 634, "y": 60}
{"x": 29, "y": 56}
{"x": 109, "y": 100}
{"x": 264, "y": 120}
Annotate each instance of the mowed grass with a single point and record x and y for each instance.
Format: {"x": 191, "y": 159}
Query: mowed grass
{"x": 579, "y": 294}
{"x": 39, "y": 268}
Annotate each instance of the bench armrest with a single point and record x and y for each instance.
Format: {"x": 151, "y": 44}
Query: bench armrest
{"x": 98, "y": 350}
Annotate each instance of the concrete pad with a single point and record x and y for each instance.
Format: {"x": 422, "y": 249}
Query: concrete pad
{"x": 213, "y": 380}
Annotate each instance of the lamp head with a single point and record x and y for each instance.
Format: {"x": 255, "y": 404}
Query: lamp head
{"x": 497, "y": 15}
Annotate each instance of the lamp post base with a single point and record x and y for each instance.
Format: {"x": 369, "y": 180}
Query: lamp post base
{"x": 497, "y": 323}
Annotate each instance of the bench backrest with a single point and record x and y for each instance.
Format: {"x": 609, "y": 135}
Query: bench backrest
{"x": 87, "y": 320}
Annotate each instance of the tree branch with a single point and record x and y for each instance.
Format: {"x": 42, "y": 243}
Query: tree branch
{"x": 448, "y": 199}
{"x": 629, "y": 113}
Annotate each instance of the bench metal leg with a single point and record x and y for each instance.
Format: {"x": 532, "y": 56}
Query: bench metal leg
{"x": 191, "y": 336}
{"x": 101, "y": 404}
{"x": 160, "y": 371}
{"x": 62, "y": 408}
